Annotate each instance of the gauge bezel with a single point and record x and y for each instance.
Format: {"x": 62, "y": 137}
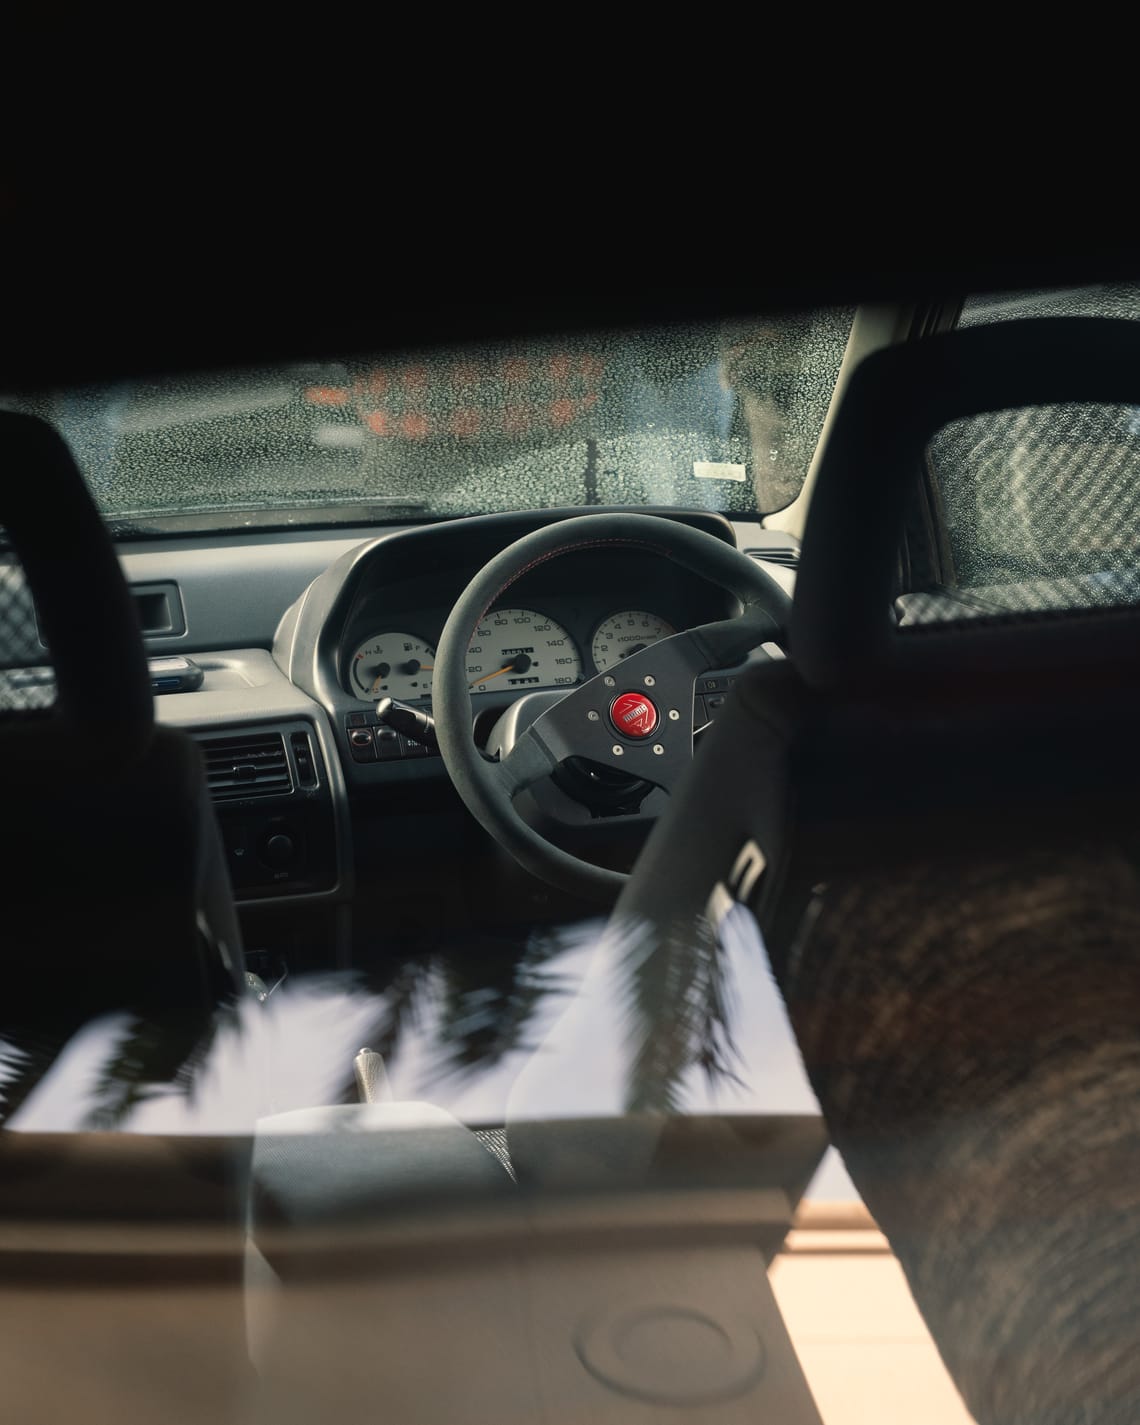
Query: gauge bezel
{"x": 622, "y": 613}
{"x": 358, "y": 643}
{"x": 518, "y": 685}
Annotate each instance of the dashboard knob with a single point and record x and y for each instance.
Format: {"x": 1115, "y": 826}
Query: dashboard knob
{"x": 280, "y": 849}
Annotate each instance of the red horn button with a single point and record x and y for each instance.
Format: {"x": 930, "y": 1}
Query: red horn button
{"x": 633, "y": 714}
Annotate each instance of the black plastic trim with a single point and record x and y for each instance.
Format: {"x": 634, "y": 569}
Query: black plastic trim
{"x": 161, "y": 611}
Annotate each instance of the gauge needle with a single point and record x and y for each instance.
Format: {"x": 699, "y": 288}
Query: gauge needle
{"x": 410, "y": 667}
{"x": 518, "y": 664}
{"x": 486, "y": 678}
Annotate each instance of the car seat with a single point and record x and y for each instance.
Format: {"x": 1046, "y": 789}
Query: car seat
{"x": 115, "y": 893}
{"x": 935, "y": 823}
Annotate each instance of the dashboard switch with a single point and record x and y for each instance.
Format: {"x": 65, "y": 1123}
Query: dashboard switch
{"x": 279, "y": 850}
{"x": 361, "y": 745}
{"x": 388, "y": 747}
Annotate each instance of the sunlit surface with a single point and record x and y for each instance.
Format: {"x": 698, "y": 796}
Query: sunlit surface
{"x": 864, "y": 1348}
{"x": 296, "y": 1052}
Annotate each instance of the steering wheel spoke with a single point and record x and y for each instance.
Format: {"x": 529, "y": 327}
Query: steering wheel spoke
{"x": 636, "y": 718}
{"x": 528, "y": 761}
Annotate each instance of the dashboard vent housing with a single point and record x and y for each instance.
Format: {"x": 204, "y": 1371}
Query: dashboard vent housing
{"x": 786, "y": 555}
{"x": 255, "y": 765}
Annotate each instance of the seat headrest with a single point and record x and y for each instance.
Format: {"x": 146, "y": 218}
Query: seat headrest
{"x": 85, "y": 611}
{"x": 843, "y": 630}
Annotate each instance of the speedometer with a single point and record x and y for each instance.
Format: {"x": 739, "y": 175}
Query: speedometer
{"x": 625, "y": 633}
{"x": 519, "y": 648}
{"x": 395, "y": 665}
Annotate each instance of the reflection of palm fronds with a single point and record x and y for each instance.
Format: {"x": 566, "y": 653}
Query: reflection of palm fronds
{"x": 401, "y": 999}
{"x": 28, "y": 1060}
{"x": 676, "y": 995}
{"x": 490, "y": 999}
{"x": 153, "y": 1056}
{"x": 485, "y": 997}
{"x": 150, "y": 1055}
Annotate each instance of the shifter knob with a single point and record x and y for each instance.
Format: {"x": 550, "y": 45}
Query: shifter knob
{"x": 372, "y": 1084}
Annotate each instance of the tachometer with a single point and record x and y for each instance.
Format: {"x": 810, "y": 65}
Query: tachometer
{"x": 519, "y": 648}
{"x": 394, "y": 665}
{"x": 627, "y": 632}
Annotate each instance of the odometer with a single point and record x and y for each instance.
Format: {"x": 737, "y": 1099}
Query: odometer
{"x": 520, "y": 648}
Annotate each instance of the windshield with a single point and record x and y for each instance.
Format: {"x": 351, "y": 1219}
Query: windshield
{"x": 720, "y": 417}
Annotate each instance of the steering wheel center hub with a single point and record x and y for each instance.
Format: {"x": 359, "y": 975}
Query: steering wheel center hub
{"x": 634, "y": 715}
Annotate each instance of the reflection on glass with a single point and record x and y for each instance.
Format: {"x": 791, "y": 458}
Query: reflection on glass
{"x": 568, "y": 1021}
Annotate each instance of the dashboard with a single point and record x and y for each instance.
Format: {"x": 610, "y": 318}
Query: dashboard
{"x": 298, "y": 634}
{"x": 368, "y": 627}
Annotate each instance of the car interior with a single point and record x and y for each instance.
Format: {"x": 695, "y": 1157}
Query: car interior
{"x": 413, "y": 789}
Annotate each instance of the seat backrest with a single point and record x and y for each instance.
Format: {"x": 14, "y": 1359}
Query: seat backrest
{"x": 113, "y": 890}
{"x": 940, "y": 825}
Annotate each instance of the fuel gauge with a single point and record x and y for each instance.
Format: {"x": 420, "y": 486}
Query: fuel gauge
{"x": 393, "y": 665}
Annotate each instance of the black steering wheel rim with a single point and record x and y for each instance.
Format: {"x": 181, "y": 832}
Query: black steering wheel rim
{"x": 487, "y": 788}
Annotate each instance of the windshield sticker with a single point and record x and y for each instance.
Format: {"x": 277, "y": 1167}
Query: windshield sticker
{"x": 719, "y": 470}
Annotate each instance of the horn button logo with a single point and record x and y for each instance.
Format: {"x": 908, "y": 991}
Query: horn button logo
{"x": 634, "y": 715}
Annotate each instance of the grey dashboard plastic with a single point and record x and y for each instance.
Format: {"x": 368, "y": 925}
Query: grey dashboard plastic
{"x": 234, "y": 589}
{"x": 241, "y": 685}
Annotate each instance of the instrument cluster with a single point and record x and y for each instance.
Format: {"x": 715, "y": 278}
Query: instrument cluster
{"x": 519, "y": 649}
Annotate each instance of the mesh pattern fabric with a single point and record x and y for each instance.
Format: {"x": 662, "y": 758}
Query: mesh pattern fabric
{"x": 1042, "y": 492}
{"x": 1041, "y": 504}
{"x": 495, "y": 1142}
{"x": 1035, "y": 598}
{"x": 26, "y": 681}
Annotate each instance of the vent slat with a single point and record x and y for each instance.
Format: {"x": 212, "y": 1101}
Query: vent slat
{"x": 777, "y": 554}
{"x": 249, "y": 766}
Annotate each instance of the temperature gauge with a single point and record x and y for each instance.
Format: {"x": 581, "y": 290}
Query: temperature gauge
{"x": 393, "y": 665}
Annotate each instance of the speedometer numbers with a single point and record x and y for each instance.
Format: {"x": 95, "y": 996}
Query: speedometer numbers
{"x": 393, "y": 665}
{"x": 519, "y": 648}
{"x": 511, "y": 648}
{"x": 628, "y": 632}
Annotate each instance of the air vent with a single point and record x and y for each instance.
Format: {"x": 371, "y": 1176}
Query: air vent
{"x": 253, "y": 766}
{"x": 786, "y": 555}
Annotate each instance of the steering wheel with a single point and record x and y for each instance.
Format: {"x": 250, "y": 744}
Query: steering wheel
{"x": 636, "y": 718}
